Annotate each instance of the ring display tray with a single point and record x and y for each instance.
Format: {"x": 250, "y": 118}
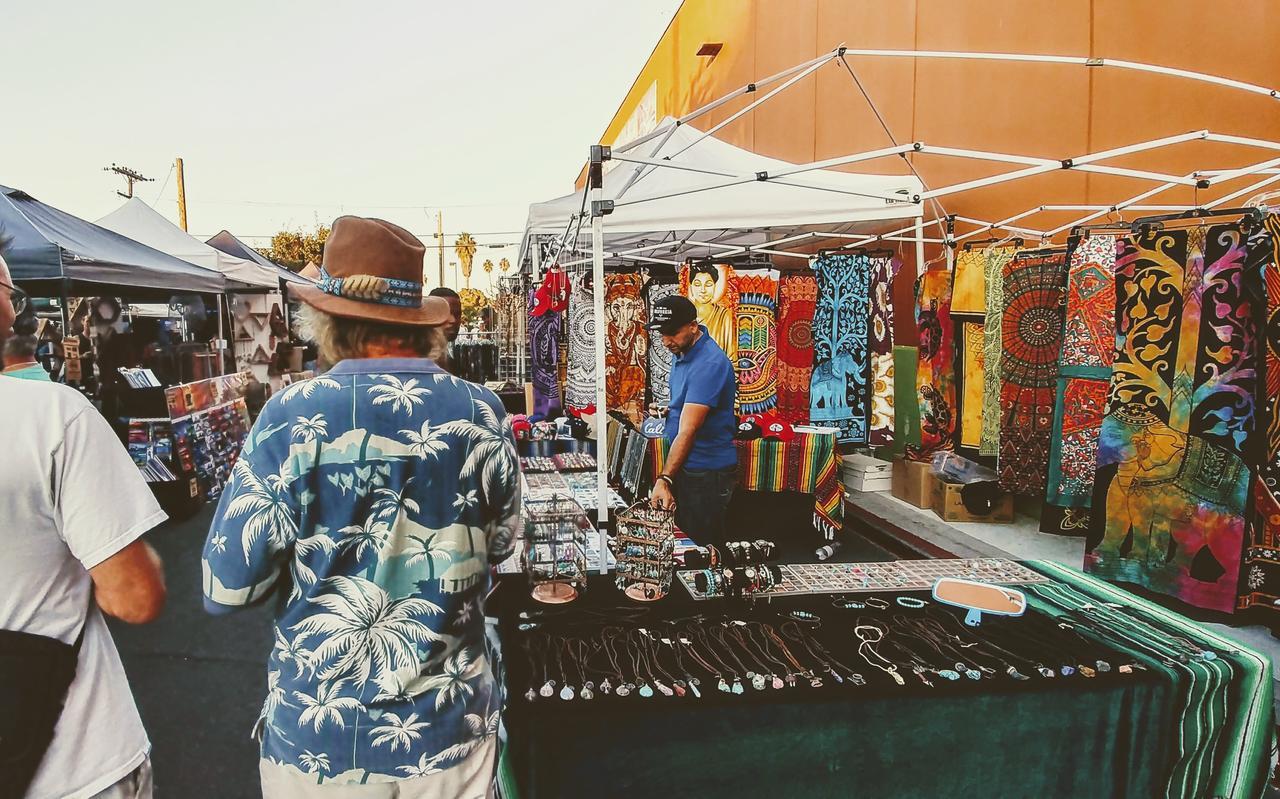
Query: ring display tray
{"x": 895, "y": 576}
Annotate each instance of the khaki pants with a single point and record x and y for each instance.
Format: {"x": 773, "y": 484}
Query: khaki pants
{"x": 470, "y": 779}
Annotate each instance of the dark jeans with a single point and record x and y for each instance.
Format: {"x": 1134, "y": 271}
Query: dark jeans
{"x": 702, "y": 502}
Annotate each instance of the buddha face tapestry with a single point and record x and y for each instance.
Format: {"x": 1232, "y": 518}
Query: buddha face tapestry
{"x": 838, "y": 385}
{"x": 660, "y": 358}
{"x": 797, "y": 300}
{"x": 1170, "y": 493}
{"x": 1032, "y": 334}
{"x": 880, "y": 347}
{"x": 757, "y": 342}
{"x": 935, "y": 373}
{"x": 995, "y": 259}
{"x": 1260, "y": 585}
{"x": 626, "y": 356}
{"x": 544, "y": 357}
{"x": 580, "y": 382}
{"x": 713, "y": 291}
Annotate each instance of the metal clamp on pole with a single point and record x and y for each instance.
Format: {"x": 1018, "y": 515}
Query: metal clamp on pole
{"x": 601, "y": 208}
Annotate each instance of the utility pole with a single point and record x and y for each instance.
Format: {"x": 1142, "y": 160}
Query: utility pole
{"x": 182, "y": 195}
{"x": 131, "y": 177}
{"x": 440, "y": 241}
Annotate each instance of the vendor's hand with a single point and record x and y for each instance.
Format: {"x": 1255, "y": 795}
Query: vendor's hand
{"x": 661, "y": 496}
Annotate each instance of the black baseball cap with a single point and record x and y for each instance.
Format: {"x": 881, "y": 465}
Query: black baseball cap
{"x": 671, "y": 313}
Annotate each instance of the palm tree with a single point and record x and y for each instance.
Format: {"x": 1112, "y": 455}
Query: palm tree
{"x": 396, "y": 732}
{"x": 308, "y": 387}
{"x": 434, "y": 556}
{"x": 479, "y": 730}
{"x": 266, "y": 502}
{"x": 452, "y": 683}
{"x": 488, "y": 266}
{"x": 400, "y": 395}
{"x": 423, "y": 769}
{"x": 308, "y": 430}
{"x": 391, "y": 502}
{"x": 325, "y": 706}
{"x": 465, "y": 247}
{"x": 314, "y": 764}
{"x": 504, "y": 265}
{"x": 373, "y": 533}
{"x": 426, "y": 443}
{"x": 319, "y": 541}
{"x": 287, "y": 651}
{"x": 366, "y": 632}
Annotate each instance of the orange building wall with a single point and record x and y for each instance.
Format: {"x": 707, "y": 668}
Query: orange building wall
{"x": 1034, "y": 109}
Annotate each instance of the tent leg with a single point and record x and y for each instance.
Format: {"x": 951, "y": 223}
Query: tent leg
{"x": 602, "y": 406}
{"x": 66, "y": 327}
{"x": 220, "y": 345}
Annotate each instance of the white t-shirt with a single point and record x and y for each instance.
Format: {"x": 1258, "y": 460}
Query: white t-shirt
{"x": 70, "y": 497}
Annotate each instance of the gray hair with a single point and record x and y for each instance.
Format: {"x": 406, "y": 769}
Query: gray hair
{"x": 20, "y": 349}
{"x": 339, "y": 338}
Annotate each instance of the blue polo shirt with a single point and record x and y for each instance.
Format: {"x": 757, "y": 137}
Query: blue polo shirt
{"x": 704, "y": 376}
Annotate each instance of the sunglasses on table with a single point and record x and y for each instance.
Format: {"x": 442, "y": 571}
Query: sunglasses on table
{"x": 17, "y": 296}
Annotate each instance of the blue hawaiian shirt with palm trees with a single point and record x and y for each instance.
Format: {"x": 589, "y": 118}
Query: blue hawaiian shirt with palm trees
{"x": 372, "y": 500}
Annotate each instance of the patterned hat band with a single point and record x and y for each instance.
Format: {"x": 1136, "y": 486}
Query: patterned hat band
{"x": 372, "y": 289}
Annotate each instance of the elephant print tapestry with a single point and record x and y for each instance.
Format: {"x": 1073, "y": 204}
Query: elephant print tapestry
{"x": 1088, "y": 347}
{"x": 757, "y": 342}
{"x": 838, "y": 385}
{"x": 1170, "y": 493}
{"x": 713, "y": 290}
{"x": 1032, "y": 334}
{"x": 880, "y": 345}
{"x": 660, "y": 358}
{"x": 797, "y": 300}
{"x": 628, "y": 344}
{"x": 935, "y": 373}
{"x": 995, "y": 259}
{"x": 544, "y": 357}
{"x": 580, "y": 382}
{"x": 1261, "y": 574}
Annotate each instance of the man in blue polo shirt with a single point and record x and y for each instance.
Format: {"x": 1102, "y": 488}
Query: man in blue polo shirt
{"x": 702, "y": 463}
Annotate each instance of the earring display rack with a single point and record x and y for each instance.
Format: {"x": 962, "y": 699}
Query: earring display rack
{"x": 889, "y": 576}
{"x": 554, "y": 556}
{"x": 644, "y": 545}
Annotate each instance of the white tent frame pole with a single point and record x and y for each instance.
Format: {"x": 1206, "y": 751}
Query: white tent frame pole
{"x": 1137, "y": 198}
{"x": 1243, "y": 171}
{"x": 602, "y": 399}
{"x": 920, "y": 264}
{"x": 1247, "y": 190}
{"x": 1011, "y": 228}
{"x": 1135, "y": 173}
{"x": 1001, "y": 225}
{"x": 845, "y": 160}
{"x": 636, "y": 175}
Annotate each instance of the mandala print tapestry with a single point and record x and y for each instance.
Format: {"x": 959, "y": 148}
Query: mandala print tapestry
{"x": 838, "y": 386}
{"x": 971, "y": 358}
{"x": 713, "y": 290}
{"x": 935, "y": 374}
{"x": 544, "y": 358}
{"x": 1032, "y": 325}
{"x": 580, "y": 383}
{"x": 993, "y": 346}
{"x": 1262, "y": 558}
{"x": 880, "y": 332}
{"x": 626, "y": 356}
{"x": 797, "y": 300}
{"x": 660, "y": 358}
{"x": 1170, "y": 494}
{"x": 757, "y": 342}
{"x": 1088, "y": 348}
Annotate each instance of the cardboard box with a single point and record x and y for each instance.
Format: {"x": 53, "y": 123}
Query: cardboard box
{"x": 948, "y": 505}
{"x": 876, "y": 482}
{"x": 864, "y": 464}
{"x": 913, "y": 482}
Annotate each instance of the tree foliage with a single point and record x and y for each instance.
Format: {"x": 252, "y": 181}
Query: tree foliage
{"x": 294, "y": 248}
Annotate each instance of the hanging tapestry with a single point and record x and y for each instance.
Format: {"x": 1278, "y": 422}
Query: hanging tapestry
{"x": 1088, "y": 348}
{"x": 660, "y": 358}
{"x": 626, "y": 355}
{"x": 969, "y": 289}
{"x": 1262, "y": 558}
{"x": 1032, "y": 329}
{"x": 580, "y": 383}
{"x": 993, "y": 346}
{"x": 544, "y": 357}
{"x": 971, "y": 362}
{"x": 757, "y": 342}
{"x": 714, "y": 293}
{"x": 1170, "y": 492}
{"x": 935, "y": 374}
{"x": 880, "y": 332}
{"x": 838, "y": 386}
{"x": 797, "y": 300}
{"x": 906, "y": 417}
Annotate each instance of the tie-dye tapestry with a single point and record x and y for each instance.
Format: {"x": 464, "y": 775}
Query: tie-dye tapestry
{"x": 935, "y": 374}
{"x": 660, "y": 358}
{"x": 969, "y": 286}
{"x": 838, "y": 387}
{"x": 1171, "y": 492}
{"x": 713, "y": 290}
{"x": 971, "y": 382}
{"x": 627, "y": 353}
{"x": 797, "y": 300}
{"x": 995, "y": 259}
{"x": 580, "y": 382}
{"x": 880, "y": 345}
{"x": 544, "y": 357}
{"x": 757, "y": 342}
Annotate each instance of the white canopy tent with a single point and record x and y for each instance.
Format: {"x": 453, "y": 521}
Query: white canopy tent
{"x": 140, "y": 222}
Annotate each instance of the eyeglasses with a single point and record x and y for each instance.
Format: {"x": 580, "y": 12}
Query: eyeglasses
{"x": 17, "y": 296}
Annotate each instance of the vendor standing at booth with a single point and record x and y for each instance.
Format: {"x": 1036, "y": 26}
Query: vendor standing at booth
{"x": 702, "y": 463}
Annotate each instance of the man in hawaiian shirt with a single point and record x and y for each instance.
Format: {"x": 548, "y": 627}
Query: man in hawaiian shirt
{"x": 372, "y": 499}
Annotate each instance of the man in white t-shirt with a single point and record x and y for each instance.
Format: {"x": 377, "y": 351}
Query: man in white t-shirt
{"x": 74, "y": 509}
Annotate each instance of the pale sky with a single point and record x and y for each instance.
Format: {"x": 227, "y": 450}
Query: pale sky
{"x": 291, "y": 113}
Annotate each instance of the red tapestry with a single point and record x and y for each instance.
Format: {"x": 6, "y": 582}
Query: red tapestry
{"x": 935, "y": 375}
{"x": 627, "y": 353}
{"x": 797, "y": 300}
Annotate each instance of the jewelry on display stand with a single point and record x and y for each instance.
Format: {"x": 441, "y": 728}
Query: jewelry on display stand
{"x": 644, "y": 545}
{"x": 554, "y": 556}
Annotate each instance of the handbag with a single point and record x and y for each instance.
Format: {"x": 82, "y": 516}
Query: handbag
{"x": 36, "y": 672}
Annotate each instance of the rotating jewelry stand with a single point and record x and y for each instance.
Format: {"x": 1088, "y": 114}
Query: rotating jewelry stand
{"x": 555, "y": 532}
{"x": 644, "y": 544}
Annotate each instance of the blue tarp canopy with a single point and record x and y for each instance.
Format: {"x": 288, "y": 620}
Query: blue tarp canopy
{"x": 52, "y": 251}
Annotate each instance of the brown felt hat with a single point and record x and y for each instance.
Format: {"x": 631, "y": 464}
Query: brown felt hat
{"x": 372, "y": 270}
